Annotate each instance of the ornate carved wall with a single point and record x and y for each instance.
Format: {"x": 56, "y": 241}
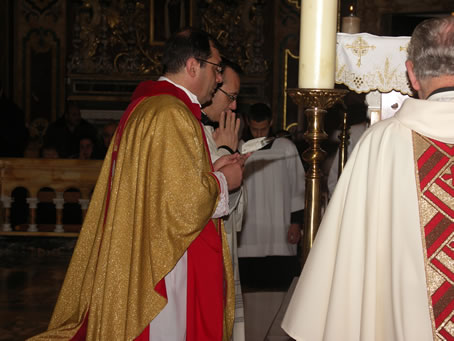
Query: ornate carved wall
{"x": 286, "y": 35}
{"x": 114, "y": 45}
{"x": 40, "y": 51}
{"x": 96, "y": 51}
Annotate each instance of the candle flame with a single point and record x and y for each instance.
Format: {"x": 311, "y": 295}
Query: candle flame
{"x": 351, "y": 9}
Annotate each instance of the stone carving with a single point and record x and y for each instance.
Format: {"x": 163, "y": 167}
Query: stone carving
{"x": 35, "y": 11}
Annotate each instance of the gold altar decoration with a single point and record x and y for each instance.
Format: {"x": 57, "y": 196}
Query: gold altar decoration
{"x": 239, "y": 28}
{"x": 127, "y": 37}
{"x": 288, "y": 56}
{"x": 112, "y": 38}
{"x": 296, "y": 3}
{"x": 315, "y": 102}
{"x": 360, "y": 48}
{"x": 344, "y": 138}
{"x": 39, "y": 57}
{"x": 365, "y": 63}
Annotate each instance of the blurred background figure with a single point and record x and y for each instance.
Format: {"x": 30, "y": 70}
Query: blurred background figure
{"x": 107, "y": 133}
{"x": 49, "y": 152}
{"x": 274, "y": 183}
{"x": 86, "y": 147}
{"x": 66, "y": 132}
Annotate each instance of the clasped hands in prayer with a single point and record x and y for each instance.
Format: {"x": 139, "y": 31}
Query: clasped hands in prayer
{"x": 231, "y": 166}
{"x": 227, "y": 132}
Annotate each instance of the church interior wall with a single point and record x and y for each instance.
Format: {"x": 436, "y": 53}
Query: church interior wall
{"x": 95, "y": 52}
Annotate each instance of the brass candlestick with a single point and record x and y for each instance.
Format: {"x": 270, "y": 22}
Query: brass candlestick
{"x": 344, "y": 138}
{"x": 315, "y": 102}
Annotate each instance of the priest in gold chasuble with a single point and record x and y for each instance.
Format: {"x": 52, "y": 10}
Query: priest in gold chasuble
{"x": 382, "y": 264}
{"x": 152, "y": 261}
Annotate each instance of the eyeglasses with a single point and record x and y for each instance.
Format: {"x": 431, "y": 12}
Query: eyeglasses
{"x": 219, "y": 67}
{"x": 231, "y": 97}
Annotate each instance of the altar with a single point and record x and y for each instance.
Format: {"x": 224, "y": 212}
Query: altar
{"x": 375, "y": 65}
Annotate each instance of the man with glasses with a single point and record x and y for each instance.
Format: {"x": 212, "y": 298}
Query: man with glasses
{"x": 220, "y": 121}
{"x": 152, "y": 260}
{"x": 221, "y": 129}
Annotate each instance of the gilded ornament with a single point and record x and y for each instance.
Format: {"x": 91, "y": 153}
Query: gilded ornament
{"x": 296, "y": 3}
{"x": 316, "y": 98}
{"x": 360, "y": 48}
{"x": 112, "y": 38}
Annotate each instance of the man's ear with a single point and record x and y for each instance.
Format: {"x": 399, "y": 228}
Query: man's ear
{"x": 411, "y": 75}
{"x": 192, "y": 66}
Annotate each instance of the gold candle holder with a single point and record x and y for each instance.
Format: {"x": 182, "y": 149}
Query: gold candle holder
{"x": 315, "y": 103}
{"x": 344, "y": 138}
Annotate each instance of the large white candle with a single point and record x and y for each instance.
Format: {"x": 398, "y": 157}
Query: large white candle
{"x": 317, "y": 62}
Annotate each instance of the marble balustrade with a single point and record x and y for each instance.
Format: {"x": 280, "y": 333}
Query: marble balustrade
{"x": 57, "y": 176}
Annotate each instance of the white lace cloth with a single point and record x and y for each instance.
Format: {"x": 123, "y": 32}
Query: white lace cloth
{"x": 365, "y": 63}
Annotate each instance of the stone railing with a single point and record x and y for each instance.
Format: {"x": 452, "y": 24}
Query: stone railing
{"x": 45, "y": 180}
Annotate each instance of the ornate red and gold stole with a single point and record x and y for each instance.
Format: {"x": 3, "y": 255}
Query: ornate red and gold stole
{"x": 435, "y": 178}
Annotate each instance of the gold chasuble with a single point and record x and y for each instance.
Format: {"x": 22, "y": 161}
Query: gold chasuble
{"x": 149, "y": 206}
{"x": 435, "y": 165}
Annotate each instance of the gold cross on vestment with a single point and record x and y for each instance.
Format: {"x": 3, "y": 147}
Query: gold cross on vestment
{"x": 360, "y": 48}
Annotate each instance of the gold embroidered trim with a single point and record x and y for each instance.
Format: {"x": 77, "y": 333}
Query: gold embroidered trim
{"x": 419, "y": 146}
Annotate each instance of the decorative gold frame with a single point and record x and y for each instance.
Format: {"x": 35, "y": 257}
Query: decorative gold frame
{"x": 295, "y": 3}
{"x": 287, "y": 54}
{"x": 152, "y": 16}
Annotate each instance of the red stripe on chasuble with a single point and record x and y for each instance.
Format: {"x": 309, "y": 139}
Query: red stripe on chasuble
{"x": 446, "y": 335}
{"x": 434, "y": 248}
{"x": 449, "y": 149}
{"x": 439, "y": 202}
{"x": 430, "y": 226}
{"x": 450, "y": 252}
{"x": 436, "y": 192}
{"x": 443, "y": 268}
{"x": 426, "y": 156}
{"x": 205, "y": 300}
{"x": 436, "y": 166}
{"x": 444, "y": 185}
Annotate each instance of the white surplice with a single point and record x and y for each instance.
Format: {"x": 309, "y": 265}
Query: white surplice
{"x": 232, "y": 225}
{"x": 274, "y": 182}
{"x": 364, "y": 279}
